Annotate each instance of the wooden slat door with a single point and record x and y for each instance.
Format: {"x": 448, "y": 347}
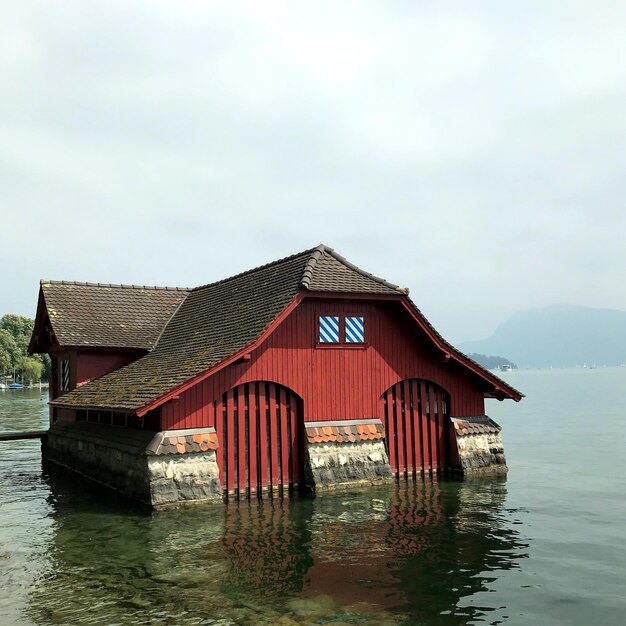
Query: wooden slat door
{"x": 415, "y": 415}
{"x": 260, "y": 430}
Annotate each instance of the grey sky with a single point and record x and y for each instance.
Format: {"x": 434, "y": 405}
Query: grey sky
{"x": 472, "y": 151}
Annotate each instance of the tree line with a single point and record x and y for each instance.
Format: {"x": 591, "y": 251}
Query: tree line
{"x": 15, "y": 363}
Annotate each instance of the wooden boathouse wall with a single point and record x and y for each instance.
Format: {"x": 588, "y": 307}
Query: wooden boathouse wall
{"x": 334, "y": 381}
{"x": 84, "y": 366}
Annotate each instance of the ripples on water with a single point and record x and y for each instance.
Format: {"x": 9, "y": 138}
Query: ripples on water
{"x": 437, "y": 552}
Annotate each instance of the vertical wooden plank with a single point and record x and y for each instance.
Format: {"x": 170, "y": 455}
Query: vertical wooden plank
{"x": 210, "y": 415}
{"x": 242, "y": 453}
{"x": 232, "y": 440}
{"x": 445, "y": 429}
{"x": 441, "y": 425}
{"x": 224, "y": 443}
{"x": 424, "y": 422}
{"x": 389, "y": 429}
{"x": 273, "y": 437}
{"x": 408, "y": 427}
{"x": 397, "y": 418}
{"x": 285, "y": 445}
{"x": 263, "y": 436}
{"x": 434, "y": 410}
{"x": 206, "y": 405}
{"x": 415, "y": 419}
{"x": 253, "y": 417}
{"x": 185, "y": 405}
{"x": 295, "y": 440}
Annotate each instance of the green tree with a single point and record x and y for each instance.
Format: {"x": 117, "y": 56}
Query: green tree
{"x": 15, "y": 333}
{"x": 30, "y": 370}
{"x": 9, "y": 352}
{"x": 20, "y": 328}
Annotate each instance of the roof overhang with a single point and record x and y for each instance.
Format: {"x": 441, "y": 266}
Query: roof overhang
{"x": 497, "y": 388}
{"x": 36, "y": 345}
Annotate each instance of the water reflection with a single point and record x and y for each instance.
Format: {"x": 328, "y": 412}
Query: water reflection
{"x": 267, "y": 547}
{"x": 409, "y": 554}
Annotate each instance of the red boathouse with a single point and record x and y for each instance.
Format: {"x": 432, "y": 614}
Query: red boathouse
{"x": 307, "y": 372}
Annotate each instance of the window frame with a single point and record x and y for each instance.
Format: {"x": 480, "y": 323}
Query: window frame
{"x": 64, "y": 363}
{"x": 342, "y": 344}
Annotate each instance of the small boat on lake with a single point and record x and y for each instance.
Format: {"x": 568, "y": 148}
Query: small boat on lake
{"x": 15, "y": 386}
{"x": 505, "y": 368}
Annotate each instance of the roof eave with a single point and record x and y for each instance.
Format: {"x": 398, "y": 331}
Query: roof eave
{"x": 501, "y": 390}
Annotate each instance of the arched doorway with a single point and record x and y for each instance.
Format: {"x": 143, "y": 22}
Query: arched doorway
{"x": 260, "y": 429}
{"x": 415, "y": 415}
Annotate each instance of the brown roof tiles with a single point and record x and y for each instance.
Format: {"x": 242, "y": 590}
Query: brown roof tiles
{"x": 185, "y": 441}
{"x": 475, "y": 425}
{"x": 108, "y": 316}
{"x": 345, "y": 431}
{"x": 194, "y": 330}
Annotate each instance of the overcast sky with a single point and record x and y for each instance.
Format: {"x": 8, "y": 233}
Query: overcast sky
{"x": 474, "y": 152}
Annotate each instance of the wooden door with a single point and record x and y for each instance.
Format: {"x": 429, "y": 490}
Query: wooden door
{"x": 415, "y": 415}
{"x": 260, "y": 430}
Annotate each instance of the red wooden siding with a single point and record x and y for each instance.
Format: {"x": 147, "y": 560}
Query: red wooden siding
{"x": 415, "y": 415}
{"x": 259, "y": 426}
{"x": 335, "y": 381}
{"x": 93, "y": 364}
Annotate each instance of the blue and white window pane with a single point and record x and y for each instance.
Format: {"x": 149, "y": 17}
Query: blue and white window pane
{"x": 355, "y": 330}
{"x": 329, "y": 329}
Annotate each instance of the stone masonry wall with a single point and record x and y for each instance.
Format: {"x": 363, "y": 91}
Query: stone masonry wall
{"x": 185, "y": 478}
{"x": 137, "y": 463}
{"x": 343, "y": 453}
{"x": 479, "y": 444}
{"x": 337, "y": 465}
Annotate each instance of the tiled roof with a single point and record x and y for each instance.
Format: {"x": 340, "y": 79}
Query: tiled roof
{"x": 214, "y": 322}
{"x": 482, "y": 425}
{"x": 217, "y": 321}
{"x": 328, "y": 271}
{"x": 344, "y": 431}
{"x": 108, "y": 316}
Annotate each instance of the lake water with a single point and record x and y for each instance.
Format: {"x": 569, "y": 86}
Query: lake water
{"x": 546, "y": 545}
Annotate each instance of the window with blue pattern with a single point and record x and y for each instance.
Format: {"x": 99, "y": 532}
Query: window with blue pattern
{"x": 355, "y": 330}
{"x": 336, "y": 330}
{"x": 329, "y": 329}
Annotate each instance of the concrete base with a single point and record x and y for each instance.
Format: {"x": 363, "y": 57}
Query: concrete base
{"x": 479, "y": 446}
{"x": 138, "y": 463}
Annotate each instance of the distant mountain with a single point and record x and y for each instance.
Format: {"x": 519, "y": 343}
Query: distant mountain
{"x": 560, "y": 335}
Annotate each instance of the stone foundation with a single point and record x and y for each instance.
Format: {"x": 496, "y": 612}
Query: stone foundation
{"x": 479, "y": 446}
{"x": 345, "y": 453}
{"x": 179, "y": 479}
{"x": 158, "y": 469}
{"x": 172, "y": 468}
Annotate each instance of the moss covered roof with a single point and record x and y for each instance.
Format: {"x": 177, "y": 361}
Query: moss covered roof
{"x": 107, "y": 316}
{"x": 218, "y": 320}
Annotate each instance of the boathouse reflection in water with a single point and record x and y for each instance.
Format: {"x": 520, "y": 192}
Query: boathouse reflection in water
{"x": 412, "y": 550}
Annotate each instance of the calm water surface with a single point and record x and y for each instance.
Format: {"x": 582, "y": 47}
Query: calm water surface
{"x": 545, "y": 546}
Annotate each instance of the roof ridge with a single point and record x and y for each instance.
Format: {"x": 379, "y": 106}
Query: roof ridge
{"x": 79, "y": 283}
{"x": 317, "y": 254}
{"x": 255, "y": 269}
